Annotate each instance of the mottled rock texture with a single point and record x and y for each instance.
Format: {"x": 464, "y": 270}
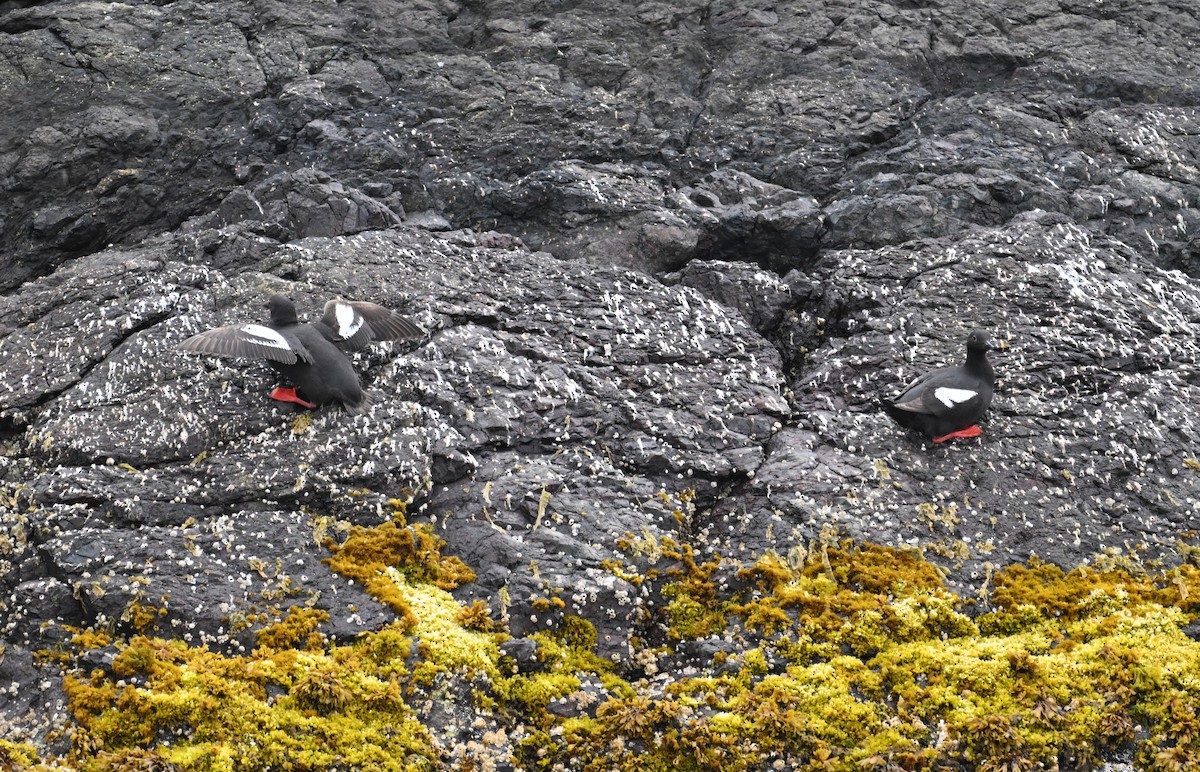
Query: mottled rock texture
{"x": 669, "y": 256}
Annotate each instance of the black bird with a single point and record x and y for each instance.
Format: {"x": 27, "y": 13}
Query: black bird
{"x": 310, "y": 355}
{"x": 946, "y": 403}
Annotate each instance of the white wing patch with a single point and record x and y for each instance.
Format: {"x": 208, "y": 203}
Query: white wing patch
{"x": 349, "y": 321}
{"x": 265, "y": 336}
{"x": 951, "y": 397}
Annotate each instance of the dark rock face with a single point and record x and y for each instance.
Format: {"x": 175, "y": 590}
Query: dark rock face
{"x": 597, "y": 387}
{"x": 1088, "y": 442}
{"x": 669, "y": 256}
{"x": 861, "y": 124}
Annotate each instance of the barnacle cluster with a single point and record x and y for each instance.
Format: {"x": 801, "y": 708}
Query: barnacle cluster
{"x": 834, "y": 656}
{"x": 845, "y": 656}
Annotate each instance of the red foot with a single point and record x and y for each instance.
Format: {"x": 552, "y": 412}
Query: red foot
{"x": 970, "y": 431}
{"x": 289, "y": 395}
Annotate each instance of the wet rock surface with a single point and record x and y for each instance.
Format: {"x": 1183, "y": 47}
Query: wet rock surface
{"x": 669, "y": 256}
{"x": 1088, "y": 448}
{"x": 550, "y": 407}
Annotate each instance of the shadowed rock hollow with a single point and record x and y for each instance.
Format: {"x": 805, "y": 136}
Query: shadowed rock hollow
{"x": 669, "y": 256}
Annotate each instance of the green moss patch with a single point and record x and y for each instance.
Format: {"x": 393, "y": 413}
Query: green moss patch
{"x": 446, "y": 644}
{"x": 854, "y": 656}
{"x": 836, "y": 656}
{"x": 297, "y": 701}
{"x": 368, "y": 554}
{"x": 17, "y": 755}
{"x": 276, "y": 709}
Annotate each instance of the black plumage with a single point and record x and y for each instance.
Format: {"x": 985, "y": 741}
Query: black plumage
{"x": 946, "y": 403}
{"x": 311, "y": 355}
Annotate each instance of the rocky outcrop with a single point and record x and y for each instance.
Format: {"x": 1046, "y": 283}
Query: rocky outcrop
{"x": 669, "y": 256}
{"x": 879, "y": 122}
{"x": 539, "y": 376}
{"x": 1090, "y": 443}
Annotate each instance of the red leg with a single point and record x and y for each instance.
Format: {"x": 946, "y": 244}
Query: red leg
{"x": 289, "y": 395}
{"x": 970, "y": 431}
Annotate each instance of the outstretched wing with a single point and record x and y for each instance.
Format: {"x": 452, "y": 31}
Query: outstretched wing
{"x": 353, "y": 324}
{"x": 252, "y": 341}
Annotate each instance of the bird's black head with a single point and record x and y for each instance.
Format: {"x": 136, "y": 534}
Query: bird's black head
{"x": 283, "y": 312}
{"x": 978, "y": 340}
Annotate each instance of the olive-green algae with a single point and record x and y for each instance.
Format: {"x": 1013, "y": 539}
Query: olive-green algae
{"x": 879, "y": 665}
{"x": 276, "y": 708}
{"x": 297, "y": 701}
{"x": 565, "y": 655}
{"x": 839, "y": 656}
{"x": 14, "y": 756}
{"x": 446, "y": 644}
{"x": 367, "y": 554}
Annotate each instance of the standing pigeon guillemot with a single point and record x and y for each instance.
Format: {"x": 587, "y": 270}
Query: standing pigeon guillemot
{"x": 310, "y": 355}
{"x": 946, "y": 403}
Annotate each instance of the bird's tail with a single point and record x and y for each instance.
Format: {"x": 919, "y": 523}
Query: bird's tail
{"x": 901, "y": 416}
{"x": 363, "y": 406}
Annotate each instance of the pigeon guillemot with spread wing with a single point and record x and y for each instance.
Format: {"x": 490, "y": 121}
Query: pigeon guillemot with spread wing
{"x": 310, "y": 355}
{"x": 946, "y": 403}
